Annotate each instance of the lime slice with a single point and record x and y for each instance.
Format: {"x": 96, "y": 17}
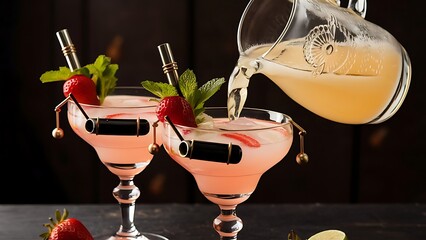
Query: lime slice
{"x": 329, "y": 235}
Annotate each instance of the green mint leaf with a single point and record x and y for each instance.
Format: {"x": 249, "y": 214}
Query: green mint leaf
{"x": 194, "y": 100}
{"x": 160, "y": 89}
{"x": 204, "y": 93}
{"x": 56, "y": 75}
{"x": 62, "y": 74}
{"x": 209, "y": 89}
{"x": 188, "y": 84}
{"x": 83, "y": 71}
{"x": 108, "y": 79}
{"x": 102, "y": 62}
{"x": 94, "y": 73}
{"x": 103, "y": 74}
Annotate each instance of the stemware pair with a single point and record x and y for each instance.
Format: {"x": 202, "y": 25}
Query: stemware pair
{"x": 325, "y": 57}
{"x": 226, "y": 158}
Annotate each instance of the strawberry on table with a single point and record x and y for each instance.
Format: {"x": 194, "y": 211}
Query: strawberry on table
{"x": 89, "y": 84}
{"x": 186, "y": 110}
{"x": 64, "y": 228}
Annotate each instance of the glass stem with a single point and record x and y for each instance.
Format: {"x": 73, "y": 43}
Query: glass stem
{"x": 126, "y": 194}
{"x": 227, "y": 224}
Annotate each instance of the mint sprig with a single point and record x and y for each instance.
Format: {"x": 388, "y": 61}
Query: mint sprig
{"x": 196, "y": 96}
{"x": 102, "y": 72}
{"x": 160, "y": 89}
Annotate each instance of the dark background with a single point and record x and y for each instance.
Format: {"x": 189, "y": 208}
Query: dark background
{"x": 348, "y": 163}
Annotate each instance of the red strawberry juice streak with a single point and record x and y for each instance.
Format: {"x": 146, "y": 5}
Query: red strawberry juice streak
{"x": 243, "y": 138}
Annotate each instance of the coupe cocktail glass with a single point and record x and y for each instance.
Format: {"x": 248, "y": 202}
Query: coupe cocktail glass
{"x": 125, "y": 154}
{"x": 228, "y": 158}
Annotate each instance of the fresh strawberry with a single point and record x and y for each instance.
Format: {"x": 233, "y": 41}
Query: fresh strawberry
{"x": 65, "y": 228}
{"x": 243, "y": 138}
{"x": 89, "y": 84}
{"x": 178, "y": 109}
{"x": 186, "y": 109}
{"x": 83, "y": 89}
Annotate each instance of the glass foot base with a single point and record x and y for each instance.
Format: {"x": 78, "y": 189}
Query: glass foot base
{"x": 144, "y": 236}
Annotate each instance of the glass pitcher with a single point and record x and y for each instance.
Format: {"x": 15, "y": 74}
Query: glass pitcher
{"x": 327, "y": 58}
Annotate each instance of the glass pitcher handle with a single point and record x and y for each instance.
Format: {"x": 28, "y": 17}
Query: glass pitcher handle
{"x": 358, "y": 6}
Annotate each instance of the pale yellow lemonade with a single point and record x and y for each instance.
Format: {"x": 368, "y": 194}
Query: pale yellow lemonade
{"x": 231, "y": 184}
{"x": 123, "y": 155}
{"x": 352, "y": 85}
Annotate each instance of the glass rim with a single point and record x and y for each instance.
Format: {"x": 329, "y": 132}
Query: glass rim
{"x": 130, "y": 88}
{"x": 288, "y": 121}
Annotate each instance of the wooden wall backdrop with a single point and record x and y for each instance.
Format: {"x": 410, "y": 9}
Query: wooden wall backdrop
{"x": 359, "y": 164}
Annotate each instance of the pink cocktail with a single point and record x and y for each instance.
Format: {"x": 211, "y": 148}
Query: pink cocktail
{"x": 228, "y": 158}
{"x": 122, "y": 131}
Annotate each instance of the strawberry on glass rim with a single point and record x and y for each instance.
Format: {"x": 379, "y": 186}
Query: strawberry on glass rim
{"x": 186, "y": 110}
{"x": 83, "y": 88}
{"x": 89, "y": 84}
{"x": 178, "y": 109}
